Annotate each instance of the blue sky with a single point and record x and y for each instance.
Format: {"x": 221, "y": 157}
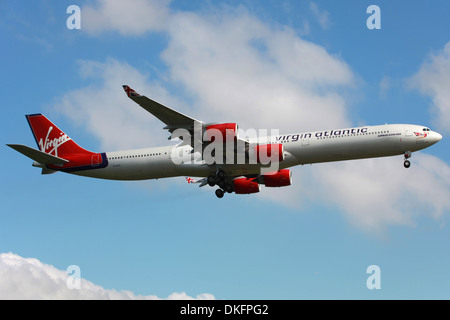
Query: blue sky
{"x": 290, "y": 65}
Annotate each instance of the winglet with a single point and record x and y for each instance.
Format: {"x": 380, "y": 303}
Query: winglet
{"x": 190, "y": 180}
{"x": 130, "y": 92}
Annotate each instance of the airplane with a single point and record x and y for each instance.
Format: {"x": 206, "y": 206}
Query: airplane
{"x": 244, "y": 165}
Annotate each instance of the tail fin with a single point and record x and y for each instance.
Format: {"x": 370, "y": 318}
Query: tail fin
{"x": 57, "y": 151}
{"x": 50, "y": 139}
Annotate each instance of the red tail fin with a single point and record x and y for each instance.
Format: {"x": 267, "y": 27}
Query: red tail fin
{"x": 51, "y": 139}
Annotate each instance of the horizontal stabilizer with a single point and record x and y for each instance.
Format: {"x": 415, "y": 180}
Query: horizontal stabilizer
{"x": 37, "y": 155}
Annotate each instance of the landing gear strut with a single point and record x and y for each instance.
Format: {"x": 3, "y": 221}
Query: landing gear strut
{"x": 221, "y": 180}
{"x": 407, "y": 163}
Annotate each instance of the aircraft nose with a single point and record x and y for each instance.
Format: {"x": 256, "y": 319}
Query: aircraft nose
{"x": 436, "y": 137}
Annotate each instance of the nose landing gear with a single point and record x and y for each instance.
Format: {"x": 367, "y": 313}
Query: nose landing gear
{"x": 407, "y": 163}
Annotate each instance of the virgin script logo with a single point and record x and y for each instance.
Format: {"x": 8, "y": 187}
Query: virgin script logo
{"x": 420, "y": 135}
{"x": 52, "y": 144}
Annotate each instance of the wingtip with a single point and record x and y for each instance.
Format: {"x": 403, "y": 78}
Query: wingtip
{"x": 130, "y": 92}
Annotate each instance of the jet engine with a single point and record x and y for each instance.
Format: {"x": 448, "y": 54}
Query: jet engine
{"x": 246, "y": 186}
{"x": 281, "y": 178}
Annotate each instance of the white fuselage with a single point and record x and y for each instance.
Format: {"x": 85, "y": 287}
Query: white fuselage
{"x": 299, "y": 148}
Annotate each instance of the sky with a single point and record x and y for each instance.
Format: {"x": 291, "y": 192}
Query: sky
{"x": 294, "y": 66}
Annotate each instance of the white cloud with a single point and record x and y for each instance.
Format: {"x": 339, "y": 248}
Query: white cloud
{"x": 262, "y": 78}
{"x": 29, "y": 278}
{"x": 433, "y": 79}
{"x": 320, "y": 15}
{"x": 376, "y": 193}
{"x": 239, "y": 68}
{"x": 133, "y": 17}
{"x": 373, "y": 194}
{"x": 105, "y": 110}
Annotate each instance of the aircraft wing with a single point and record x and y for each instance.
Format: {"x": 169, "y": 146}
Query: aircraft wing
{"x": 173, "y": 119}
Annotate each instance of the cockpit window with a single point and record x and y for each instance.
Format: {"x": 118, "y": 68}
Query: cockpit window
{"x": 426, "y": 129}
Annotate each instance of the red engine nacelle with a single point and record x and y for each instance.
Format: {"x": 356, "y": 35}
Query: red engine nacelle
{"x": 227, "y": 132}
{"x": 273, "y": 152}
{"x": 280, "y": 178}
{"x": 246, "y": 186}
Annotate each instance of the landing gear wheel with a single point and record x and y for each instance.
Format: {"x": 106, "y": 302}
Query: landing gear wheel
{"x": 211, "y": 181}
{"x": 221, "y": 184}
{"x": 219, "y": 193}
{"x": 228, "y": 188}
{"x": 221, "y": 174}
{"x": 407, "y": 163}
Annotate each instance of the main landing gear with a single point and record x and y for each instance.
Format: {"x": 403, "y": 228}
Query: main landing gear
{"x": 221, "y": 180}
{"x": 407, "y": 163}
